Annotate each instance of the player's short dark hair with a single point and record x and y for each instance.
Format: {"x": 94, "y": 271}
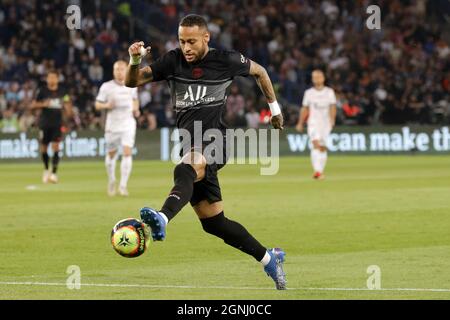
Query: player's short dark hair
{"x": 194, "y": 20}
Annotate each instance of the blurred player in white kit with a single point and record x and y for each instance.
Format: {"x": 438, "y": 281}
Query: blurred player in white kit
{"x": 122, "y": 105}
{"x": 319, "y": 110}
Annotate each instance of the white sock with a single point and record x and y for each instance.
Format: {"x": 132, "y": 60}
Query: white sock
{"x": 164, "y": 217}
{"x": 125, "y": 170}
{"x": 315, "y": 160}
{"x": 266, "y": 259}
{"x": 110, "y": 164}
{"x": 323, "y": 160}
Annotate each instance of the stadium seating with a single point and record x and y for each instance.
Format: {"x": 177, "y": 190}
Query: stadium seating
{"x": 399, "y": 74}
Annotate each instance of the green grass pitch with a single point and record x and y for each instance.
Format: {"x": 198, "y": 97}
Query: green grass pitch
{"x": 389, "y": 211}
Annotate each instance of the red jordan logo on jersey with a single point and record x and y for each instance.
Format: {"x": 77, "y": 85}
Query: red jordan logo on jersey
{"x": 197, "y": 73}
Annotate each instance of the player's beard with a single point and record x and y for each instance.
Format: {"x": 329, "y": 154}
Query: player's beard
{"x": 198, "y": 57}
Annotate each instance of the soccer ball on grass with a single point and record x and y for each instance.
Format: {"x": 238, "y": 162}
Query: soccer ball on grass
{"x": 130, "y": 237}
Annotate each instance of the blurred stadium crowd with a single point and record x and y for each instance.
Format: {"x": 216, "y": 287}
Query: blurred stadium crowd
{"x": 399, "y": 74}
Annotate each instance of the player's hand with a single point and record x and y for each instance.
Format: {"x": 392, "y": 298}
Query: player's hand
{"x": 137, "y": 113}
{"x": 332, "y": 124}
{"x": 137, "y": 49}
{"x": 277, "y": 121}
{"x": 299, "y": 127}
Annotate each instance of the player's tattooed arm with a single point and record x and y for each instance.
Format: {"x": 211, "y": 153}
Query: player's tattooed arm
{"x": 136, "y": 77}
{"x": 263, "y": 81}
{"x": 265, "y": 84}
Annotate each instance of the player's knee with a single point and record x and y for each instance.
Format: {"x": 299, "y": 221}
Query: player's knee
{"x": 184, "y": 170}
{"x": 55, "y": 147}
{"x": 198, "y": 162}
{"x": 200, "y": 171}
{"x": 127, "y": 151}
{"x": 112, "y": 153}
{"x": 214, "y": 225}
{"x": 316, "y": 144}
{"x": 194, "y": 159}
{"x": 205, "y": 210}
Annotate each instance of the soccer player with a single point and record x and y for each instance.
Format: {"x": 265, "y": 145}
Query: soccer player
{"x": 52, "y": 100}
{"x": 122, "y": 105}
{"x": 319, "y": 107}
{"x": 198, "y": 77}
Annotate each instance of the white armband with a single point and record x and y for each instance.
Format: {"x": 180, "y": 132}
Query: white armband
{"x": 274, "y": 108}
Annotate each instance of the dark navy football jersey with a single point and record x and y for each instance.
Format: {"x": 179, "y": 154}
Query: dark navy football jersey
{"x": 51, "y": 116}
{"x": 198, "y": 90}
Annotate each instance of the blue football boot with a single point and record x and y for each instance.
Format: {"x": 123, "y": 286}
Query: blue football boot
{"x": 156, "y": 222}
{"x": 275, "y": 268}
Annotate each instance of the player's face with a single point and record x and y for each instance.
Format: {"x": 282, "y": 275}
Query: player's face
{"x": 318, "y": 78}
{"x": 52, "y": 80}
{"x": 119, "y": 71}
{"x": 193, "y": 42}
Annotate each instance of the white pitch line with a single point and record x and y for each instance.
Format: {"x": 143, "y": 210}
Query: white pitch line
{"x": 118, "y": 285}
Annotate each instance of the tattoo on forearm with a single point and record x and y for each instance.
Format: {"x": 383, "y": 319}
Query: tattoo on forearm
{"x": 147, "y": 74}
{"x": 132, "y": 75}
{"x": 266, "y": 87}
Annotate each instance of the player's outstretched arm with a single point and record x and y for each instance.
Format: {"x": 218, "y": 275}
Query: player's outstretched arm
{"x": 137, "y": 76}
{"x": 264, "y": 83}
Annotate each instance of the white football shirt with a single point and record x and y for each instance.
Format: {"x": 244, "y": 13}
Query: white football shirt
{"x": 120, "y": 118}
{"x": 319, "y": 103}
